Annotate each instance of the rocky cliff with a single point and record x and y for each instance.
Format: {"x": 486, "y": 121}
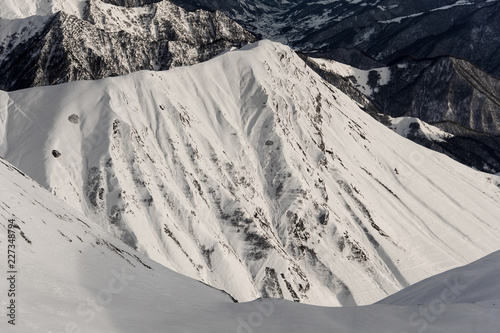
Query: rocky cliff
{"x": 110, "y": 40}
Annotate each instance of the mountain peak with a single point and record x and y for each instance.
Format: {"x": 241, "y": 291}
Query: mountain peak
{"x": 268, "y": 169}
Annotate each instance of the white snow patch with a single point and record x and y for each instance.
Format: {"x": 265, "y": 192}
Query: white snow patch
{"x": 458, "y": 3}
{"x": 400, "y": 18}
{"x": 361, "y": 76}
{"x": 15, "y": 9}
{"x": 402, "y": 126}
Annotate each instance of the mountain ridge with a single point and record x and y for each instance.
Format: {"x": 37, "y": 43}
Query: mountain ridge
{"x": 446, "y": 92}
{"x": 193, "y": 168}
{"x": 64, "y": 47}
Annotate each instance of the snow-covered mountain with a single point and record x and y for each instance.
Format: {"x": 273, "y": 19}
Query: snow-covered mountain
{"x": 252, "y": 174}
{"x": 451, "y": 94}
{"x": 58, "y": 41}
{"x": 62, "y": 41}
{"x": 72, "y": 276}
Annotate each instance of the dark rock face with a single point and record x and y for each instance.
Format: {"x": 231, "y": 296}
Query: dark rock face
{"x": 478, "y": 150}
{"x": 469, "y": 32}
{"x": 115, "y": 42}
{"x": 442, "y": 90}
{"x": 131, "y": 3}
{"x": 250, "y": 9}
{"x": 383, "y": 29}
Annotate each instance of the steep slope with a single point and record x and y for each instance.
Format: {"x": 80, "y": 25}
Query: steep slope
{"x": 250, "y": 173}
{"x": 105, "y": 40}
{"x": 449, "y": 93}
{"x": 71, "y": 276}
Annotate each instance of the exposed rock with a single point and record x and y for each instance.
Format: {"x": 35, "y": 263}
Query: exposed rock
{"x": 110, "y": 41}
{"x": 74, "y": 118}
{"x": 442, "y": 89}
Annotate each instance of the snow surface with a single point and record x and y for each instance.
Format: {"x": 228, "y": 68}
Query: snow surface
{"x": 475, "y": 283}
{"x": 16, "y": 31}
{"x": 18, "y": 9}
{"x": 74, "y": 277}
{"x": 402, "y": 126}
{"x": 252, "y": 174}
{"x": 360, "y": 76}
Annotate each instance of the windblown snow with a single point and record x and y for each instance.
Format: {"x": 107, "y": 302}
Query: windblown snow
{"x": 251, "y": 174}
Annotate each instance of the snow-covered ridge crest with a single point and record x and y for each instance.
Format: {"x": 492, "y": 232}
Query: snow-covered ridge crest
{"x": 252, "y": 174}
{"x": 410, "y": 127}
{"x": 160, "y": 20}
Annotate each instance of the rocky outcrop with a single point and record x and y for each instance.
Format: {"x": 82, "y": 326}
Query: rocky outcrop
{"x": 110, "y": 41}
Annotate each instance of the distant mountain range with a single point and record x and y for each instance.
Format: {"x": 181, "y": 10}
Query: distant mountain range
{"x": 383, "y": 29}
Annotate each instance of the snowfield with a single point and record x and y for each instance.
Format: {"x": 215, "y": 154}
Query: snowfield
{"x": 18, "y": 9}
{"x": 359, "y": 77}
{"x": 407, "y": 126}
{"x": 74, "y": 277}
{"x": 251, "y": 174}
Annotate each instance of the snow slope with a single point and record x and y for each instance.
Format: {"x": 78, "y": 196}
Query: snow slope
{"x": 250, "y": 173}
{"x": 67, "y": 267}
{"x": 413, "y": 127}
{"x": 474, "y": 283}
{"x": 19, "y": 9}
{"x": 74, "y": 277}
{"x": 360, "y": 78}
{"x": 459, "y": 99}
